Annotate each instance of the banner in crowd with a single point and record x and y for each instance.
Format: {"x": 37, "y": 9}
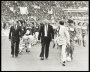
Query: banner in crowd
{"x": 23, "y": 10}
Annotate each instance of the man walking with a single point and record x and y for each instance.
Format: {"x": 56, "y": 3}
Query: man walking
{"x": 14, "y": 37}
{"x": 46, "y": 34}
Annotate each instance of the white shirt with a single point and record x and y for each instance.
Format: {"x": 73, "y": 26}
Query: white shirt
{"x": 15, "y": 27}
{"x": 45, "y": 30}
{"x": 63, "y": 37}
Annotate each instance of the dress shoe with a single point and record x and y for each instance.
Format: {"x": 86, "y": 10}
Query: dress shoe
{"x": 16, "y": 56}
{"x": 46, "y": 58}
{"x": 42, "y": 58}
{"x": 28, "y": 51}
{"x": 63, "y": 64}
{"x": 12, "y": 56}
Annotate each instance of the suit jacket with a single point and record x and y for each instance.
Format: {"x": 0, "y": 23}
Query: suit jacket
{"x": 50, "y": 33}
{"x": 15, "y": 34}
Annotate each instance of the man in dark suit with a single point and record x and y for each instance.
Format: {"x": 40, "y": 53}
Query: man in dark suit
{"x": 14, "y": 37}
{"x": 46, "y": 34}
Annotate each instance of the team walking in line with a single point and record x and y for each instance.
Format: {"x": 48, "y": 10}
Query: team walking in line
{"x": 64, "y": 37}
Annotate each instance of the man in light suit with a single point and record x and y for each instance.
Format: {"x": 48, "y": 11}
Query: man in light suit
{"x": 46, "y": 34}
{"x": 62, "y": 41}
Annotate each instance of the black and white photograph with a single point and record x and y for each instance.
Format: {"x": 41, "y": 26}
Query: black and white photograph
{"x": 44, "y": 35}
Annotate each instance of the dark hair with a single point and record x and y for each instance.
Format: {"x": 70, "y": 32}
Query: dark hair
{"x": 23, "y": 21}
{"x": 19, "y": 21}
{"x": 33, "y": 23}
{"x": 70, "y": 21}
{"x": 61, "y": 22}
